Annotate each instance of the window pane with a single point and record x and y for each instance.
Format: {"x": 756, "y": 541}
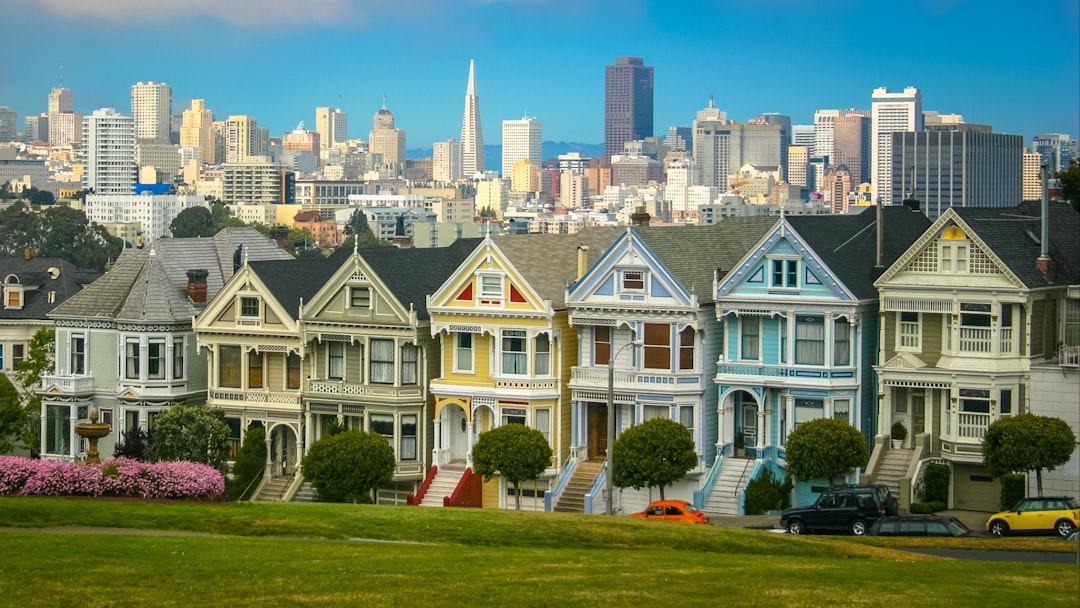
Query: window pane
{"x": 809, "y": 340}
{"x": 464, "y": 356}
{"x": 543, "y": 355}
{"x": 409, "y": 354}
{"x": 657, "y": 346}
{"x": 601, "y": 345}
{"x": 408, "y": 437}
{"x": 155, "y": 359}
{"x": 514, "y": 358}
{"x": 78, "y": 355}
{"x": 292, "y": 370}
{"x": 383, "y": 424}
{"x": 543, "y": 422}
{"x": 751, "y": 328}
{"x": 255, "y": 370}
{"x": 178, "y": 358}
{"x": 229, "y": 366}
{"x": 842, "y": 342}
{"x": 686, "y": 349}
{"x": 335, "y": 360}
{"x": 131, "y": 371}
{"x": 382, "y": 361}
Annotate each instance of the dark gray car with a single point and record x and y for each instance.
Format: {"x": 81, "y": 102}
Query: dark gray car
{"x": 846, "y": 509}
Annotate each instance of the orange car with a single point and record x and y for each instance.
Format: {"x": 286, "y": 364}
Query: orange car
{"x": 673, "y": 510}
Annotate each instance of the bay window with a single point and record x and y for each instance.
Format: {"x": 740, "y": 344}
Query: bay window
{"x": 292, "y": 370}
{"x": 155, "y": 359}
{"x": 229, "y": 366}
{"x": 686, "y": 349}
{"x": 543, "y": 355}
{"x": 178, "y": 358}
{"x": 382, "y": 424}
{"x": 841, "y": 342}
{"x": 131, "y": 359}
{"x": 601, "y": 345}
{"x": 335, "y": 360}
{"x": 409, "y": 364}
{"x": 750, "y": 338}
{"x": 255, "y": 370}
{"x": 463, "y": 352}
{"x": 382, "y": 362}
{"x": 78, "y": 354}
{"x": 809, "y": 340}
{"x": 542, "y": 422}
{"x": 407, "y": 450}
{"x": 514, "y": 355}
{"x": 657, "y": 346}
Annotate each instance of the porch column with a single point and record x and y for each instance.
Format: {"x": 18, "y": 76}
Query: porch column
{"x": 469, "y": 433}
{"x": 309, "y": 430}
{"x": 73, "y": 441}
{"x": 268, "y": 469}
{"x": 721, "y": 436}
{"x": 436, "y": 442}
{"x": 44, "y": 428}
{"x": 762, "y": 427}
{"x": 885, "y": 411}
{"x": 298, "y": 452}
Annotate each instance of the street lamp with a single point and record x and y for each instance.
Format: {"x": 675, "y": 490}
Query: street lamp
{"x": 611, "y": 423}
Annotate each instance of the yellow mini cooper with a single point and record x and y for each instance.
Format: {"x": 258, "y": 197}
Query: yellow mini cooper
{"x": 1045, "y": 514}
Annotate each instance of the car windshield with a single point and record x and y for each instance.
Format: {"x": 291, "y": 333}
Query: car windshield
{"x": 956, "y": 527}
{"x": 1070, "y": 503}
{"x": 882, "y": 493}
{"x": 690, "y": 508}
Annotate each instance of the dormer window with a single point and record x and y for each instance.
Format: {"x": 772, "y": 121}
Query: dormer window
{"x": 13, "y": 293}
{"x": 633, "y": 280}
{"x": 954, "y": 251}
{"x": 491, "y": 286}
{"x": 249, "y": 307}
{"x": 784, "y": 273}
{"x": 359, "y": 297}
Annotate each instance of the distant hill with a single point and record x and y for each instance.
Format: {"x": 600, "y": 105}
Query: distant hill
{"x": 493, "y": 152}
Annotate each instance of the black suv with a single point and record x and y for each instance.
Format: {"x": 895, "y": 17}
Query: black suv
{"x": 843, "y": 509}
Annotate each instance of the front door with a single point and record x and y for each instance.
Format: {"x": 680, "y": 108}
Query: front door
{"x": 597, "y": 437}
{"x": 749, "y": 425}
{"x": 918, "y": 414}
{"x": 457, "y": 432}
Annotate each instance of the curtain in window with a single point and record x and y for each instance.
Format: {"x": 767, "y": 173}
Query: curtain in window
{"x": 335, "y": 360}
{"x": 842, "y": 342}
{"x": 408, "y": 437}
{"x": 657, "y": 346}
{"x": 382, "y": 361}
{"x": 751, "y": 332}
{"x": 131, "y": 370}
{"x": 514, "y": 359}
{"x": 409, "y": 353}
{"x": 809, "y": 340}
{"x": 229, "y": 366}
{"x": 543, "y": 355}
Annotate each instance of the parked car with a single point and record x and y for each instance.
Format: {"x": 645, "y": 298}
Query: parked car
{"x": 918, "y": 525}
{"x": 1041, "y": 515}
{"x": 852, "y": 508}
{"x": 673, "y": 510}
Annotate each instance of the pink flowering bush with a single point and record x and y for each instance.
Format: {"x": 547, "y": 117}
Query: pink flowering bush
{"x": 120, "y": 477}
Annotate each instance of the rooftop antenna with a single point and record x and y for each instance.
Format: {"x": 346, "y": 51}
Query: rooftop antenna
{"x": 61, "y": 75}
{"x": 384, "y": 101}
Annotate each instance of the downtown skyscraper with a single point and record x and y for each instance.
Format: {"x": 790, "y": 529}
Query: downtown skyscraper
{"x": 472, "y": 137}
{"x": 890, "y": 113}
{"x": 628, "y": 103}
{"x": 151, "y": 107}
{"x": 521, "y": 139}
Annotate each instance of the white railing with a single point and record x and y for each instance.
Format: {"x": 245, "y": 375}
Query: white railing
{"x": 976, "y": 340}
{"x": 69, "y": 384}
{"x": 599, "y": 376}
{"x": 971, "y": 426}
{"x": 909, "y": 335}
{"x": 1069, "y": 356}
{"x": 253, "y": 397}
{"x": 1006, "y": 336}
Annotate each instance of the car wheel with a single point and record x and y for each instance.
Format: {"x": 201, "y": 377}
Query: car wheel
{"x": 795, "y": 527}
{"x": 858, "y": 527}
{"x": 1064, "y": 528}
{"x": 999, "y": 528}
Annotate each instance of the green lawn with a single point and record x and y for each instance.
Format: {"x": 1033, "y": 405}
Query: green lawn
{"x": 467, "y": 557}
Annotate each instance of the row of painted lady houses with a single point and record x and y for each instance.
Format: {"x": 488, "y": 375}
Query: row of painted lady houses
{"x": 747, "y": 329}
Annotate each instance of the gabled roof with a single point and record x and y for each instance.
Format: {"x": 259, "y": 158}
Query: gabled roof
{"x": 694, "y": 253}
{"x": 150, "y": 285}
{"x": 549, "y": 261}
{"x": 847, "y": 244}
{"x": 38, "y": 282}
{"x": 1013, "y": 234}
{"x": 413, "y": 273}
{"x": 294, "y": 281}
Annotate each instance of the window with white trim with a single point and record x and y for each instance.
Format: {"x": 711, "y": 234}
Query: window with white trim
{"x": 750, "y": 338}
{"x": 359, "y": 297}
{"x": 953, "y": 251}
{"x": 974, "y": 401}
{"x": 633, "y": 280}
{"x": 382, "y": 361}
{"x": 18, "y": 353}
{"x": 229, "y": 366}
{"x": 335, "y": 360}
{"x": 407, "y": 449}
{"x": 657, "y": 346}
{"x": 78, "y": 354}
{"x": 784, "y": 273}
{"x": 601, "y": 345}
{"x": 687, "y": 339}
{"x": 809, "y": 340}
{"x": 513, "y": 415}
{"x": 1072, "y": 322}
{"x": 808, "y": 409}
{"x": 249, "y": 306}
{"x": 649, "y": 412}
{"x": 841, "y": 409}
{"x": 542, "y": 344}
{"x": 1005, "y": 404}
{"x": 841, "y": 342}
{"x": 178, "y": 358}
{"x": 382, "y": 424}
{"x": 909, "y": 332}
{"x": 410, "y": 355}
{"x": 491, "y": 286}
{"x": 463, "y": 352}
{"x": 515, "y": 356}
{"x": 131, "y": 359}
{"x": 782, "y": 325}
{"x": 542, "y": 421}
{"x": 255, "y": 369}
{"x": 155, "y": 359}
{"x": 686, "y": 417}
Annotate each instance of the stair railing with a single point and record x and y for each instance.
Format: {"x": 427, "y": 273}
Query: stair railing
{"x": 702, "y": 496}
{"x": 597, "y": 488}
{"x": 416, "y": 499}
{"x": 468, "y": 492}
{"x": 254, "y": 481}
{"x": 918, "y": 484}
{"x": 740, "y": 491}
{"x": 552, "y": 498}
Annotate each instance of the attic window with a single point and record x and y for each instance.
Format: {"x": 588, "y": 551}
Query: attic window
{"x": 633, "y": 280}
{"x": 359, "y": 297}
{"x": 249, "y": 307}
{"x": 13, "y": 297}
{"x": 491, "y": 286}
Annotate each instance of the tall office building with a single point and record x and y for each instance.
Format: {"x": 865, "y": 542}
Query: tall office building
{"x": 65, "y": 126}
{"x": 960, "y": 168}
{"x": 9, "y": 128}
{"x": 108, "y": 148}
{"x": 1032, "y": 176}
{"x": 521, "y": 139}
{"x": 197, "y": 131}
{"x": 711, "y": 132}
{"x": 1058, "y": 150}
{"x": 679, "y": 139}
{"x": 61, "y": 101}
{"x": 721, "y": 147}
{"x": 836, "y": 188}
{"x": 472, "y": 136}
{"x": 804, "y": 135}
{"x": 386, "y": 139}
{"x": 446, "y": 161}
{"x": 824, "y": 130}
{"x": 891, "y": 113}
{"x": 628, "y": 103}
{"x": 332, "y": 125}
{"x": 301, "y": 140}
{"x": 36, "y": 128}
{"x": 798, "y": 168}
{"x": 151, "y": 109}
{"x": 243, "y": 139}
{"x": 851, "y": 146}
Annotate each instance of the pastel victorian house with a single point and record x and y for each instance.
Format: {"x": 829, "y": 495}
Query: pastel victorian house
{"x": 507, "y": 352}
{"x": 983, "y": 296}
{"x": 125, "y": 344}
{"x": 800, "y": 314}
{"x": 253, "y": 345}
{"x": 645, "y": 321}
{"x": 370, "y": 353}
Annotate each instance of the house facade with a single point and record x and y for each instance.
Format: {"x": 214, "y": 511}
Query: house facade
{"x": 980, "y": 298}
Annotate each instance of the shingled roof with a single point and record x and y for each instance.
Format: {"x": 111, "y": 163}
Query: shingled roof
{"x": 1014, "y": 234}
{"x": 847, "y": 244}
{"x": 693, "y": 253}
{"x": 549, "y": 261}
{"x": 294, "y": 281}
{"x": 412, "y": 274}
{"x": 150, "y": 285}
{"x": 39, "y": 278}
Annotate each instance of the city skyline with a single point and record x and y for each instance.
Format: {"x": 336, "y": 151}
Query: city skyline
{"x": 278, "y": 63}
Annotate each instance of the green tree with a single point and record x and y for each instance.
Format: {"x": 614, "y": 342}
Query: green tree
{"x": 193, "y": 222}
{"x": 1027, "y": 442}
{"x": 825, "y": 449}
{"x": 515, "y": 451}
{"x": 192, "y": 433}
{"x": 250, "y": 462}
{"x": 657, "y": 453}
{"x": 61, "y": 227}
{"x": 95, "y": 248}
{"x": 40, "y": 361}
{"x": 134, "y": 443}
{"x": 349, "y": 466}
{"x": 357, "y": 223}
{"x": 1070, "y": 183}
{"x": 223, "y": 218}
{"x": 12, "y": 415}
{"x": 488, "y": 212}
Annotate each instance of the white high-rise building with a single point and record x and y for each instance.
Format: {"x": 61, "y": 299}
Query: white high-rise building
{"x": 890, "y": 113}
{"x": 332, "y": 125}
{"x": 472, "y": 136}
{"x": 521, "y": 139}
{"x": 243, "y": 139}
{"x": 109, "y": 153}
{"x": 197, "y": 131}
{"x": 446, "y": 161}
{"x": 804, "y": 135}
{"x": 151, "y": 108}
{"x": 1031, "y": 175}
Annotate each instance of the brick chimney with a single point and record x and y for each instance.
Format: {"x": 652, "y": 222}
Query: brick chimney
{"x": 640, "y": 217}
{"x": 196, "y": 287}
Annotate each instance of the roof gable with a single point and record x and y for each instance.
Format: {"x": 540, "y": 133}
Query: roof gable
{"x": 629, "y": 273}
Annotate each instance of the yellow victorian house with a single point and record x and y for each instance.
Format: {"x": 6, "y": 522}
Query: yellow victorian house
{"x": 507, "y": 351}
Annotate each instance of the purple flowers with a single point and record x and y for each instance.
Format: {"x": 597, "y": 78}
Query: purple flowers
{"x": 120, "y": 477}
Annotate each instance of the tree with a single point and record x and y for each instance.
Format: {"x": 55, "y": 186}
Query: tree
{"x": 657, "y": 452}
{"x": 357, "y": 223}
{"x": 192, "y": 433}
{"x": 223, "y": 218}
{"x": 12, "y": 415}
{"x": 1027, "y": 442}
{"x": 1070, "y": 183}
{"x": 825, "y": 449}
{"x": 250, "y": 462}
{"x": 134, "y": 443}
{"x": 515, "y": 451}
{"x": 61, "y": 227}
{"x": 349, "y": 466}
{"x": 39, "y": 361}
{"x": 193, "y": 222}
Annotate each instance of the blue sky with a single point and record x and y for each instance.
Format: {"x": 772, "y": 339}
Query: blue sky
{"x": 1013, "y": 65}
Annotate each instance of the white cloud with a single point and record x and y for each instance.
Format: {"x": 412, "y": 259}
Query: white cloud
{"x": 236, "y": 12}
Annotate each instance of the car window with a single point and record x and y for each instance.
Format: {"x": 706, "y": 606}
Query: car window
{"x": 936, "y": 528}
{"x": 913, "y": 528}
{"x": 656, "y": 510}
{"x": 866, "y": 501}
{"x": 673, "y": 510}
{"x": 691, "y": 508}
{"x": 957, "y": 527}
{"x": 1025, "y": 505}
{"x": 882, "y": 493}
{"x": 1070, "y": 503}
{"x": 827, "y": 501}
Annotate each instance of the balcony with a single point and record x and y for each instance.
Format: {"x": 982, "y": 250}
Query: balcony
{"x": 69, "y": 384}
{"x": 971, "y": 426}
{"x": 976, "y": 340}
{"x": 240, "y": 397}
{"x": 597, "y": 378}
{"x": 1069, "y": 356}
{"x": 338, "y": 388}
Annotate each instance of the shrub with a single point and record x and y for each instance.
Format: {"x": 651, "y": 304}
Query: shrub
{"x": 119, "y": 477}
{"x": 766, "y": 493}
{"x": 250, "y": 462}
{"x": 825, "y": 449}
{"x": 133, "y": 444}
{"x": 515, "y": 451}
{"x": 194, "y": 433}
{"x": 936, "y": 483}
{"x": 928, "y": 507}
{"x": 348, "y": 466}
{"x": 1013, "y": 490}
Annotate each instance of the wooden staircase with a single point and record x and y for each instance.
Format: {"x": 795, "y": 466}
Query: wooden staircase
{"x": 446, "y": 479}
{"x": 892, "y": 468}
{"x": 724, "y": 499}
{"x": 273, "y": 490}
{"x": 572, "y": 499}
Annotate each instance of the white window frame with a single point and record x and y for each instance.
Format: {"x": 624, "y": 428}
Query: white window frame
{"x": 360, "y": 297}
{"x": 78, "y": 354}
{"x": 520, "y": 358}
{"x": 909, "y": 333}
{"x": 630, "y": 277}
{"x": 162, "y": 357}
{"x": 132, "y": 360}
{"x": 490, "y": 285}
{"x": 756, "y": 355}
{"x": 789, "y": 267}
{"x": 377, "y": 368}
{"x": 954, "y": 256}
{"x": 842, "y": 342}
{"x": 407, "y": 450}
{"x": 542, "y": 421}
{"x": 331, "y": 357}
{"x": 803, "y": 355}
{"x": 464, "y": 354}
{"x": 841, "y": 405}
{"x": 542, "y": 357}
{"x": 410, "y": 364}
{"x": 177, "y": 358}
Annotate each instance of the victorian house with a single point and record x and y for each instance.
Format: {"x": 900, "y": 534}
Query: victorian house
{"x": 507, "y": 352}
{"x": 125, "y": 344}
{"x": 645, "y": 324}
{"x": 800, "y": 315}
{"x": 983, "y": 296}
